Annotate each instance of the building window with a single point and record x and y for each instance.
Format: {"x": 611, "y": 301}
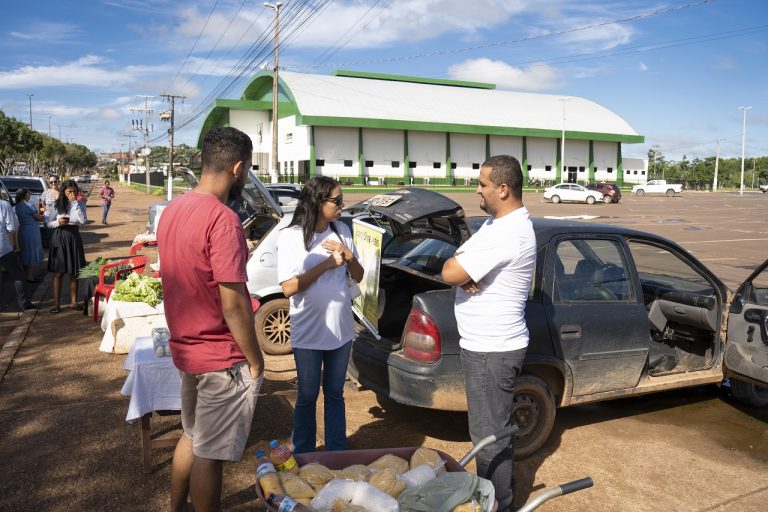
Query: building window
{"x": 369, "y": 163}
{"x": 529, "y": 168}
{"x": 395, "y": 164}
{"x": 291, "y": 166}
{"x": 642, "y": 173}
{"x": 255, "y": 167}
{"x": 582, "y": 169}
{"x": 610, "y": 170}
{"x": 288, "y": 138}
{"x": 635, "y": 173}
{"x": 475, "y": 165}
{"x": 319, "y": 163}
{"x": 347, "y": 163}
{"x": 411, "y": 165}
{"x": 436, "y": 165}
{"x": 453, "y": 165}
{"x": 628, "y": 171}
{"x": 547, "y": 168}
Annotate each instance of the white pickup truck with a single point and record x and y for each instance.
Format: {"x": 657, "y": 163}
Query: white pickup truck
{"x": 764, "y": 188}
{"x": 658, "y": 187}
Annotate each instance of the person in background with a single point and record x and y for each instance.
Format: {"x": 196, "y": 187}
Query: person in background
{"x": 49, "y": 197}
{"x": 315, "y": 255}
{"x": 8, "y": 258}
{"x": 66, "y": 254}
{"x": 492, "y": 272}
{"x": 208, "y": 309}
{"x": 29, "y": 240}
{"x": 106, "y": 193}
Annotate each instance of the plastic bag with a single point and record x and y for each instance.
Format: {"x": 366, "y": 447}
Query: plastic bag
{"x": 421, "y": 474}
{"x": 446, "y": 492}
{"x": 357, "y": 493}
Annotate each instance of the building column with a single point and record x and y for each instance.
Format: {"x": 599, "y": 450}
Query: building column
{"x": 360, "y": 156}
{"x": 487, "y": 146}
{"x": 448, "y": 171}
{"x": 559, "y": 166}
{"x": 524, "y": 163}
{"x": 619, "y": 166}
{"x": 406, "y": 162}
{"x": 312, "y": 158}
{"x": 591, "y": 173}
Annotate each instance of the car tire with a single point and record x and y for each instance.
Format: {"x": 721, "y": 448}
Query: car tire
{"x": 590, "y": 200}
{"x": 607, "y": 199}
{"x": 555, "y": 199}
{"x": 640, "y": 192}
{"x": 273, "y": 327}
{"x": 534, "y": 413}
{"x": 670, "y": 193}
{"x": 749, "y": 394}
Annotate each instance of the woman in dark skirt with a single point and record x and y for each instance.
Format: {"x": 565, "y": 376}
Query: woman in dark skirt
{"x": 66, "y": 255}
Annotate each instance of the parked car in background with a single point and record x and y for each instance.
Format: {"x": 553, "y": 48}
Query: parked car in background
{"x": 764, "y": 188}
{"x": 4, "y": 194}
{"x": 611, "y": 192}
{"x": 36, "y": 186}
{"x": 671, "y": 326}
{"x": 572, "y": 192}
{"x": 286, "y": 194}
{"x": 83, "y": 178}
{"x": 658, "y": 187}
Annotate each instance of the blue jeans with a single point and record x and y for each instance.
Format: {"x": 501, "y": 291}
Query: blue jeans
{"x": 105, "y": 211}
{"x": 311, "y": 365}
{"x": 489, "y": 378}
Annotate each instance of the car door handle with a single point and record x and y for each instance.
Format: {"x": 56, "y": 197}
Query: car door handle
{"x": 568, "y": 331}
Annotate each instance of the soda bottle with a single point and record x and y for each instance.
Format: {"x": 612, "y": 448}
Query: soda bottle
{"x": 282, "y": 457}
{"x": 267, "y": 475}
{"x": 285, "y": 503}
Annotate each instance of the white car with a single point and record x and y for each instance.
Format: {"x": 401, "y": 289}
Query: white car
{"x": 764, "y": 188}
{"x": 571, "y": 192}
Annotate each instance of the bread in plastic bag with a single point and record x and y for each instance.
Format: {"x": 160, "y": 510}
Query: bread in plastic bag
{"x": 471, "y": 506}
{"x": 361, "y": 494}
{"x": 315, "y": 475}
{"x": 393, "y": 462}
{"x": 294, "y": 486}
{"x": 342, "y": 506}
{"x": 388, "y": 481}
{"x": 427, "y": 456}
{"x": 418, "y": 475}
{"x": 355, "y": 473}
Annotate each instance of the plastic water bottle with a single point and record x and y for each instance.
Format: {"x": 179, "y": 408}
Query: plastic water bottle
{"x": 285, "y": 503}
{"x": 267, "y": 475}
{"x": 282, "y": 457}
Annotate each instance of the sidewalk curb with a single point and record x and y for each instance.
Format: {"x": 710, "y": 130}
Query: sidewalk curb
{"x": 19, "y": 333}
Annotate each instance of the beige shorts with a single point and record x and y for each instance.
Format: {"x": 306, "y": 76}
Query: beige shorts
{"x": 217, "y": 410}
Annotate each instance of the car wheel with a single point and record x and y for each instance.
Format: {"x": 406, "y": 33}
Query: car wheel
{"x": 590, "y": 200}
{"x": 273, "y": 327}
{"x": 607, "y": 199}
{"x": 670, "y": 193}
{"x": 555, "y": 199}
{"x": 750, "y": 394}
{"x": 534, "y": 414}
{"x": 640, "y": 192}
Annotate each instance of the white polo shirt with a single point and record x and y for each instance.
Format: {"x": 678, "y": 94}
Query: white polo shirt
{"x": 500, "y": 258}
{"x": 8, "y": 224}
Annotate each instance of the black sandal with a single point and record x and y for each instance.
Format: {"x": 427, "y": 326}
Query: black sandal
{"x": 55, "y": 309}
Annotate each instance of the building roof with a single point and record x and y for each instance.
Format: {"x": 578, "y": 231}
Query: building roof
{"x": 386, "y": 101}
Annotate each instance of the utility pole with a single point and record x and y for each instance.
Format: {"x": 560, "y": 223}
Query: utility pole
{"x": 129, "y": 137}
{"x": 753, "y": 173}
{"x": 122, "y": 160}
{"x": 717, "y": 165}
{"x": 169, "y": 116}
{"x": 145, "y": 128}
{"x": 49, "y": 125}
{"x": 743, "y": 141}
{"x": 30, "y": 110}
{"x": 562, "y": 147}
{"x": 275, "y": 163}
{"x": 59, "y": 131}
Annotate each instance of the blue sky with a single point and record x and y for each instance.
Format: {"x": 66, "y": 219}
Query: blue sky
{"x": 677, "y": 71}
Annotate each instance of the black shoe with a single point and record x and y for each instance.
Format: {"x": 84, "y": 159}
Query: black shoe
{"x": 29, "y": 305}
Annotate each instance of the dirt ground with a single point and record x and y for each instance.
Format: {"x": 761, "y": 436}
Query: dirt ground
{"x": 65, "y": 445}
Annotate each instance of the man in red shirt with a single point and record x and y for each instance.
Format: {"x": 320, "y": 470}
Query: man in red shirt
{"x": 207, "y": 306}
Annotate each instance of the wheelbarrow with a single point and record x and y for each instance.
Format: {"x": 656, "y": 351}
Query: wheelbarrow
{"x": 342, "y": 459}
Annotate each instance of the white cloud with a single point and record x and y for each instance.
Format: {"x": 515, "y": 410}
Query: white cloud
{"x": 49, "y": 32}
{"x": 643, "y": 66}
{"x": 534, "y": 77}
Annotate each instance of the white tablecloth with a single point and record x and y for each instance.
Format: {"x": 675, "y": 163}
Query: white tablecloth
{"x": 153, "y": 383}
{"x": 116, "y": 317}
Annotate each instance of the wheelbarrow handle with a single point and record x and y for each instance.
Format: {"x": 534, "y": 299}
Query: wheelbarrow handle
{"x": 498, "y": 436}
{"x": 553, "y": 492}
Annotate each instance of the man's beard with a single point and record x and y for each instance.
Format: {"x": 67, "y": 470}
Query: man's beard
{"x": 486, "y": 207}
{"x": 235, "y": 191}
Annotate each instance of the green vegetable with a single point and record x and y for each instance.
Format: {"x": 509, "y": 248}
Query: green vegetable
{"x": 92, "y": 269}
{"x": 139, "y": 288}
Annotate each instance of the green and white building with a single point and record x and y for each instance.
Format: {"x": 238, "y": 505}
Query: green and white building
{"x": 367, "y": 127}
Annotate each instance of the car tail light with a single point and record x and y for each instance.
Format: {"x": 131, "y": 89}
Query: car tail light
{"x": 421, "y": 338}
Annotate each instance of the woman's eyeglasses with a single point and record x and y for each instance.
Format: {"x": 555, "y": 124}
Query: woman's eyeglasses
{"x": 53, "y": 182}
{"x": 338, "y": 200}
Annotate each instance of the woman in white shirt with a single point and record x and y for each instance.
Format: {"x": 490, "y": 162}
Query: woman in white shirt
{"x": 315, "y": 254}
{"x": 66, "y": 254}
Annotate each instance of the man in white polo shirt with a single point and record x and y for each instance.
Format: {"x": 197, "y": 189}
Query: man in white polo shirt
{"x": 492, "y": 273}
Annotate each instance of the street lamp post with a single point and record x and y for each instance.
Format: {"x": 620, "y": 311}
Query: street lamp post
{"x": 275, "y": 164}
{"x": 562, "y": 143}
{"x": 743, "y": 141}
{"x": 30, "y": 110}
{"x": 49, "y": 125}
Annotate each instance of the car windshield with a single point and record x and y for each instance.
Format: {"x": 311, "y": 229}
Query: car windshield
{"x": 32, "y": 184}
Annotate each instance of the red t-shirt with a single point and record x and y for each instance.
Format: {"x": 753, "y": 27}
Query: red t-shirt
{"x": 201, "y": 244}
